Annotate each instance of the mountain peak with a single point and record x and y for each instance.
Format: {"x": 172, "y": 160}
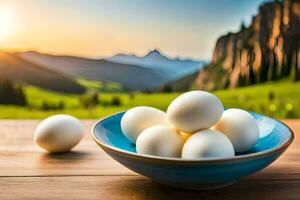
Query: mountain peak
{"x": 154, "y": 52}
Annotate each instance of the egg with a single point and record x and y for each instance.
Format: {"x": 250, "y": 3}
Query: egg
{"x": 137, "y": 119}
{"x": 59, "y": 133}
{"x": 207, "y": 144}
{"x": 195, "y": 110}
{"x": 160, "y": 140}
{"x": 240, "y": 127}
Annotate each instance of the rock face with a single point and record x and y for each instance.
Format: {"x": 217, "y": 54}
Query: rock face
{"x": 266, "y": 50}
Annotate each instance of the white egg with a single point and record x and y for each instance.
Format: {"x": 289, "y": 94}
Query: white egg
{"x": 196, "y": 110}
{"x": 137, "y": 119}
{"x": 160, "y": 140}
{"x": 59, "y": 133}
{"x": 240, "y": 127}
{"x": 207, "y": 144}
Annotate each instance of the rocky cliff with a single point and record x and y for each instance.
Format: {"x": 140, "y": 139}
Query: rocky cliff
{"x": 268, "y": 49}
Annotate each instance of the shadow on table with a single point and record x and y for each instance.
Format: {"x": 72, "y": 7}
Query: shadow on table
{"x": 71, "y": 156}
{"x": 139, "y": 188}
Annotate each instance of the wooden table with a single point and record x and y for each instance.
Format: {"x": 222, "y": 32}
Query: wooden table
{"x": 28, "y": 172}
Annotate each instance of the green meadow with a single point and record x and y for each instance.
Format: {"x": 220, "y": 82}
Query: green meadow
{"x": 279, "y": 99}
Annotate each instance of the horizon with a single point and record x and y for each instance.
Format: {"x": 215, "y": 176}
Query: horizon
{"x": 100, "y": 29}
{"x": 110, "y": 56}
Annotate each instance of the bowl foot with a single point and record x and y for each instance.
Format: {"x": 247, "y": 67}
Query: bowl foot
{"x": 210, "y": 186}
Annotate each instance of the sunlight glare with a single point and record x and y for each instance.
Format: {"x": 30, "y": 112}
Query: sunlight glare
{"x": 6, "y": 23}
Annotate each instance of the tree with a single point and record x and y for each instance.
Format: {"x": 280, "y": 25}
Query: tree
{"x": 243, "y": 26}
{"x": 11, "y": 93}
{"x": 89, "y": 100}
{"x": 116, "y": 101}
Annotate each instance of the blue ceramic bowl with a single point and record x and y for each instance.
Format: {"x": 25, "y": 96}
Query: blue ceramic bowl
{"x": 195, "y": 174}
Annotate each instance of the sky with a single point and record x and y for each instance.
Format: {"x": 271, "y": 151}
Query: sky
{"x": 102, "y": 28}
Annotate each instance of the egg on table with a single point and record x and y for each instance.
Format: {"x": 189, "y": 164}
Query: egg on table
{"x": 195, "y": 110}
{"x": 160, "y": 140}
{"x": 240, "y": 127}
{"x": 137, "y": 119}
{"x": 207, "y": 144}
{"x": 59, "y": 133}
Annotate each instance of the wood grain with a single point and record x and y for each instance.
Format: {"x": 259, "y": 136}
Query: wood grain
{"x": 137, "y": 187}
{"x": 28, "y": 172}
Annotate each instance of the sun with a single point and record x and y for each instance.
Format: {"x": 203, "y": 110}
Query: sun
{"x": 6, "y": 23}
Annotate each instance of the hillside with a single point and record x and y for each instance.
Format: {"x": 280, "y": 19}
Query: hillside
{"x": 131, "y": 77}
{"x": 181, "y": 84}
{"x": 269, "y": 49}
{"x": 153, "y": 73}
{"x": 16, "y": 69}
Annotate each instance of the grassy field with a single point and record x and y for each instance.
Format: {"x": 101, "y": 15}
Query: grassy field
{"x": 278, "y": 99}
{"x": 100, "y": 86}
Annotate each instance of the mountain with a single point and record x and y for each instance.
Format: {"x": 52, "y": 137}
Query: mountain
{"x": 17, "y": 69}
{"x": 131, "y": 77}
{"x": 268, "y": 49}
{"x": 154, "y": 72}
{"x": 172, "y": 68}
{"x": 180, "y": 85}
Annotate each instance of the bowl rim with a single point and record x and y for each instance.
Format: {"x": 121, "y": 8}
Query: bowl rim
{"x": 106, "y": 146}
